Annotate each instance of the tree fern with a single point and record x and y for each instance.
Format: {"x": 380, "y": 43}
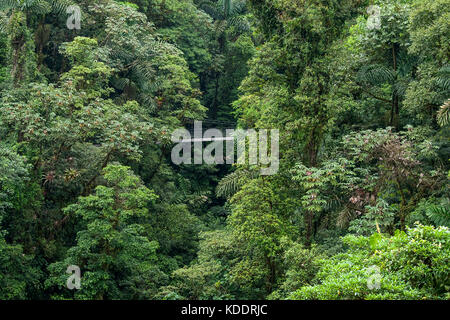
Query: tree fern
{"x": 439, "y": 214}
{"x": 227, "y": 12}
{"x": 36, "y": 6}
{"x": 231, "y": 184}
{"x": 375, "y": 74}
{"x": 443, "y": 80}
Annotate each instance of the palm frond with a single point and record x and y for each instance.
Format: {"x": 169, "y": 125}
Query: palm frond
{"x": 36, "y": 6}
{"x": 60, "y": 6}
{"x": 344, "y": 218}
{"x": 401, "y": 86}
{"x": 231, "y": 184}
{"x": 213, "y": 9}
{"x": 238, "y": 7}
{"x": 120, "y": 83}
{"x": 223, "y": 9}
{"x": 8, "y": 4}
{"x": 332, "y": 205}
{"x": 443, "y": 116}
{"x": 240, "y": 24}
{"x": 443, "y": 80}
{"x": 440, "y": 214}
{"x": 375, "y": 75}
{"x": 3, "y": 22}
{"x": 39, "y": 7}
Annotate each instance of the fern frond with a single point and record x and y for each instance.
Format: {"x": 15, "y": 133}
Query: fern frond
{"x": 120, "y": 83}
{"x": 443, "y": 80}
{"x": 443, "y": 116}
{"x": 3, "y": 22}
{"x": 240, "y": 23}
{"x": 40, "y": 7}
{"x": 35, "y": 6}
{"x": 231, "y": 184}
{"x": 332, "y": 205}
{"x": 60, "y": 6}
{"x": 8, "y": 4}
{"x": 440, "y": 214}
{"x": 344, "y": 218}
{"x": 375, "y": 75}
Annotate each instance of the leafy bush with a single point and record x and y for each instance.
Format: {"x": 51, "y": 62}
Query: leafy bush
{"x": 411, "y": 265}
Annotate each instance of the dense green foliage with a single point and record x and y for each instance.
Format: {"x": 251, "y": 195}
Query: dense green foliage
{"x": 360, "y": 206}
{"x": 413, "y": 265}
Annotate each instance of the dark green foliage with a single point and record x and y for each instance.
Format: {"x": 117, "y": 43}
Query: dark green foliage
{"x": 18, "y": 278}
{"x": 117, "y": 259}
{"x": 359, "y": 208}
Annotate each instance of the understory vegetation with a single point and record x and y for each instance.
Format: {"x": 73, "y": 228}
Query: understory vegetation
{"x": 360, "y": 206}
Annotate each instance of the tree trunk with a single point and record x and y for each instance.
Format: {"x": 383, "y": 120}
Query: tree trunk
{"x": 18, "y": 34}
